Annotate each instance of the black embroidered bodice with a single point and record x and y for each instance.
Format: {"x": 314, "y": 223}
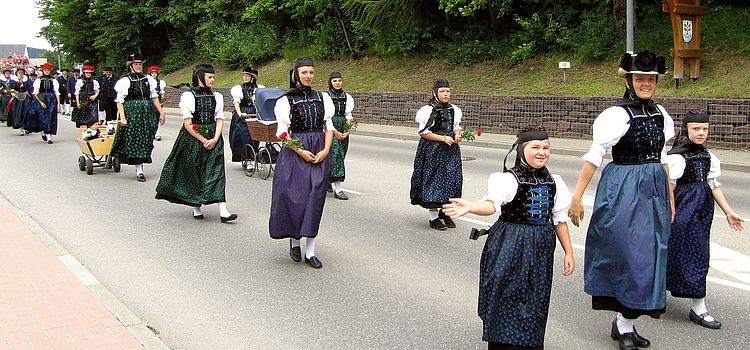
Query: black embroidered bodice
{"x": 443, "y": 124}
{"x": 247, "y": 96}
{"x": 87, "y": 89}
{"x": 45, "y": 85}
{"x": 534, "y": 200}
{"x": 205, "y": 107}
{"x": 139, "y": 89}
{"x": 644, "y": 140}
{"x": 339, "y": 101}
{"x": 307, "y": 111}
{"x": 697, "y": 165}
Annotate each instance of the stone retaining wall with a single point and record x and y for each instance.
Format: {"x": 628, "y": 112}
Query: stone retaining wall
{"x": 562, "y": 116}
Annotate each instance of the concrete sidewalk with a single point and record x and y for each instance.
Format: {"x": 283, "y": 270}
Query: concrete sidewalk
{"x": 48, "y": 300}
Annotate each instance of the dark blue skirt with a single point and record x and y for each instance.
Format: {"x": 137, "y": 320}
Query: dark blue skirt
{"x": 239, "y": 135}
{"x": 43, "y": 119}
{"x": 687, "y": 265}
{"x": 515, "y": 281}
{"x": 19, "y": 109}
{"x": 299, "y": 190}
{"x": 626, "y": 243}
{"x": 437, "y": 174}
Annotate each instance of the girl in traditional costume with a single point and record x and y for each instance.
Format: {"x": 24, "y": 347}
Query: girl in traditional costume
{"x": 301, "y": 175}
{"x": 194, "y": 173}
{"x": 694, "y": 170}
{"x": 515, "y": 279}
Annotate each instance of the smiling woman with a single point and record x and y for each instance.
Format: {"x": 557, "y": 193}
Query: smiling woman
{"x": 625, "y": 263}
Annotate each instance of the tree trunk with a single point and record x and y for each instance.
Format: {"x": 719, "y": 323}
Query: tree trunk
{"x": 619, "y": 12}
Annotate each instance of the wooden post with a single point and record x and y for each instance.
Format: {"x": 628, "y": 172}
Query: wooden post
{"x": 686, "y": 33}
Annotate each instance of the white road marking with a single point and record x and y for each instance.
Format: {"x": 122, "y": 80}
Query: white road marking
{"x": 351, "y": 191}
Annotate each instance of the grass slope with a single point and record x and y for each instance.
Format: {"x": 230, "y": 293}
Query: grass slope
{"x": 721, "y": 77}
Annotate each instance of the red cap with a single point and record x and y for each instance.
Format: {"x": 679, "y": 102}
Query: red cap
{"x": 47, "y": 66}
{"x": 88, "y": 68}
{"x": 153, "y": 68}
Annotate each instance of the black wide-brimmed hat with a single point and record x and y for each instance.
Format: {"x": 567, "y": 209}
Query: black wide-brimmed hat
{"x": 644, "y": 62}
{"x": 134, "y": 58}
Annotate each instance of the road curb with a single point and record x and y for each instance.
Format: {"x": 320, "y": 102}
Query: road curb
{"x": 134, "y": 324}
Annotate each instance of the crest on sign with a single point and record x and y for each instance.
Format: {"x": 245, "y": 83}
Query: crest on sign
{"x": 687, "y": 30}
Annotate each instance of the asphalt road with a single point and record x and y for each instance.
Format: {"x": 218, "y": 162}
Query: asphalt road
{"x": 388, "y": 281}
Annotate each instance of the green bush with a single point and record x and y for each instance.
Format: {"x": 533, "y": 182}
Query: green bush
{"x": 606, "y": 43}
{"x": 725, "y": 29}
{"x": 470, "y": 52}
{"x": 539, "y": 36}
{"x": 236, "y": 45}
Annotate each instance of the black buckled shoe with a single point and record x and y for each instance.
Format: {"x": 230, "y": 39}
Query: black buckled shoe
{"x": 447, "y": 220}
{"x": 314, "y": 262}
{"x": 198, "y": 217}
{"x": 228, "y": 218}
{"x": 640, "y": 341}
{"x": 437, "y": 224}
{"x": 626, "y": 341}
{"x": 340, "y": 195}
{"x": 295, "y": 252}
{"x": 140, "y": 177}
{"x": 44, "y": 137}
{"x": 701, "y": 320}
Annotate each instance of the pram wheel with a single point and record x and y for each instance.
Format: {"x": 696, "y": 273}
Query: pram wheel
{"x": 82, "y": 163}
{"x": 89, "y": 166}
{"x": 263, "y": 163}
{"x": 248, "y": 160}
{"x": 116, "y": 164}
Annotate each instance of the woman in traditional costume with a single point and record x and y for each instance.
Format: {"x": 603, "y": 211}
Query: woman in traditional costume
{"x": 194, "y": 173}
{"x": 138, "y": 106}
{"x": 47, "y": 96}
{"x": 344, "y": 104}
{"x": 85, "y": 107}
{"x": 244, "y": 108}
{"x": 20, "y": 103}
{"x": 626, "y": 243}
{"x": 437, "y": 172}
{"x": 6, "y": 85}
{"x": 301, "y": 175}
{"x": 154, "y": 71}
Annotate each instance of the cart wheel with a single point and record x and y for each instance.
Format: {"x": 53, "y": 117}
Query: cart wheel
{"x": 116, "y": 164}
{"x": 248, "y": 157}
{"x": 82, "y": 163}
{"x": 89, "y": 166}
{"x": 264, "y": 163}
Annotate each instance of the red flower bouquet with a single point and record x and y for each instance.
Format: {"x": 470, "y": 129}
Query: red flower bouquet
{"x": 351, "y": 125}
{"x": 201, "y": 130}
{"x": 291, "y": 142}
{"x": 471, "y": 134}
